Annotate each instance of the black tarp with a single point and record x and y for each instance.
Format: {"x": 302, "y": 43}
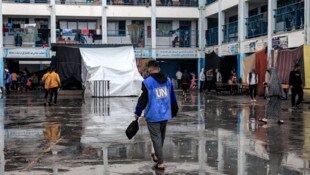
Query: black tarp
{"x": 69, "y": 67}
{"x": 224, "y": 64}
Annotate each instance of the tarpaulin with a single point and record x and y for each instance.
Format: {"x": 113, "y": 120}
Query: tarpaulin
{"x": 307, "y": 66}
{"x": 247, "y": 65}
{"x": 286, "y": 61}
{"x": 69, "y": 66}
{"x": 261, "y": 63}
{"x": 117, "y": 65}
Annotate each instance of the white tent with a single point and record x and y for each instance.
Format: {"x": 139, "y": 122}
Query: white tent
{"x": 115, "y": 64}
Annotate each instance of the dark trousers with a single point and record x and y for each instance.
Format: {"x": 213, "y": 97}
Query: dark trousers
{"x": 14, "y": 85}
{"x": 46, "y": 95}
{"x": 179, "y": 84}
{"x": 209, "y": 85}
{"x": 202, "y": 84}
{"x": 253, "y": 90}
{"x": 158, "y": 132}
{"x": 7, "y": 88}
{"x": 297, "y": 91}
{"x": 52, "y": 92}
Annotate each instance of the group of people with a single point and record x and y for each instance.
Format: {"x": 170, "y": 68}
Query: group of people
{"x": 207, "y": 80}
{"x": 52, "y": 84}
{"x": 20, "y": 81}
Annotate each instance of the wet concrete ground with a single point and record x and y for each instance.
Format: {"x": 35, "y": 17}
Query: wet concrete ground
{"x": 211, "y": 135}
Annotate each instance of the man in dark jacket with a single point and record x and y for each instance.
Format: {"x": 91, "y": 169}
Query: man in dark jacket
{"x": 296, "y": 86}
{"x": 160, "y": 102}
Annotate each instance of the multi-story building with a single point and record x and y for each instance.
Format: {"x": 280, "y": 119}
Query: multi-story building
{"x": 176, "y": 32}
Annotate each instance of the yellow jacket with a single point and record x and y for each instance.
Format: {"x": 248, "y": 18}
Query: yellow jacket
{"x": 54, "y": 80}
{"x": 46, "y": 80}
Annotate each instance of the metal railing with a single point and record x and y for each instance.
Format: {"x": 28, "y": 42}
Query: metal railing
{"x": 230, "y": 32}
{"x": 20, "y": 39}
{"x": 289, "y": 17}
{"x": 257, "y": 25}
{"x": 182, "y": 3}
{"x": 212, "y": 36}
{"x": 101, "y": 88}
{"x": 27, "y": 1}
{"x": 210, "y": 1}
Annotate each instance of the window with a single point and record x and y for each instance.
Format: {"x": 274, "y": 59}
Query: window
{"x": 164, "y": 28}
{"x": 264, "y": 9}
{"x": 18, "y": 22}
{"x": 76, "y": 26}
{"x": 116, "y": 28}
{"x": 253, "y": 12}
{"x": 233, "y": 19}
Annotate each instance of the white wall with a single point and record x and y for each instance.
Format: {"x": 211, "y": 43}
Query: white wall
{"x": 26, "y": 9}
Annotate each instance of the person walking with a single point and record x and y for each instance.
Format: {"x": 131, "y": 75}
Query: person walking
{"x": 14, "y": 78}
{"x": 296, "y": 86}
{"x": 46, "y": 82}
{"x": 252, "y": 80}
{"x": 54, "y": 84}
{"x": 179, "y": 76}
{"x": 209, "y": 79}
{"x": 273, "y": 105}
{"x": 8, "y": 80}
{"x": 202, "y": 79}
{"x": 159, "y": 99}
{"x": 185, "y": 80}
{"x": 219, "y": 78}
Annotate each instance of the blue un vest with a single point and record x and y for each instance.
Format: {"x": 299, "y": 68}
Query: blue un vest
{"x": 159, "y": 102}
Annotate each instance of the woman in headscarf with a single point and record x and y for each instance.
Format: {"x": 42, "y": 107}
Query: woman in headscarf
{"x": 273, "y": 106}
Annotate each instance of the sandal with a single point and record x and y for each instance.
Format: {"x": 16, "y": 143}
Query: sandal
{"x": 264, "y": 120}
{"x": 280, "y": 122}
{"x": 158, "y": 168}
{"x": 153, "y": 157}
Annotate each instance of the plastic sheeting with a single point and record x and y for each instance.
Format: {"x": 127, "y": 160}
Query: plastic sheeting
{"x": 286, "y": 61}
{"x": 307, "y": 66}
{"x": 247, "y": 65}
{"x": 117, "y": 65}
{"x": 261, "y": 63}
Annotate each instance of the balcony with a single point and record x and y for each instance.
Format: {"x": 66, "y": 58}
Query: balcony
{"x": 230, "y": 32}
{"x": 290, "y": 17}
{"x": 26, "y": 1}
{"x": 257, "y": 25}
{"x": 25, "y": 39}
{"x": 212, "y": 36}
{"x": 210, "y": 1}
{"x": 172, "y": 3}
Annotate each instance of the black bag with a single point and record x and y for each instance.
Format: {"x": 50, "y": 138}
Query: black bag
{"x": 132, "y": 129}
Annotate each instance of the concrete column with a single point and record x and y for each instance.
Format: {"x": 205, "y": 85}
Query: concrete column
{"x": 104, "y": 30}
{"x": 272, "y": 4}
{"x": 153, "y": 28}
{"x": 1, "y": 49}
{"x": 243, "y": 11}
{"x": 2, "y": 158}
{"x": 241, "y": 145}
{"x": 307, "y": 22}
{"x": 53, "y": 21}
{"x": 201, "y": 38}
{"x": 105, "y": 160}
{"x": 221, "y": 22}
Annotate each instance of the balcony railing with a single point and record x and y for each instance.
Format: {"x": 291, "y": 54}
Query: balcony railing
{"x": 25, "y": 39}
{"x": 173, "y": 3}
{"x": 257, "y": 25}
{"x": 27, "y": 1}
{"x": 210, "y": 1}
{"x": 289, "y": 17}
{"x": 230, "y": 32}
{"x": 212, "y": 36}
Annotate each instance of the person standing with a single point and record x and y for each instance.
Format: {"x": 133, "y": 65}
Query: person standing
{"x": 185, "y": 80}
{"x": 14, "y": 77}
{"x": 219, "y": 78}
{"x": 202, "y": 79}
{"x": 46, "y": 82}
{"x": 209, "y": 79}
{"x": 8, "y": 81}
{"x": 54, "y": 84}
{"x": 273, "y": 106}
{"x": 159, "y": 99}
{"x": 252, "y": 80}
{"x": 296, "y": 86}
{"x": 179, "y": 76}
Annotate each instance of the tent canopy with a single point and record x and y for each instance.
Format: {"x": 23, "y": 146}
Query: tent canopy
{"x": 115, "y": 64}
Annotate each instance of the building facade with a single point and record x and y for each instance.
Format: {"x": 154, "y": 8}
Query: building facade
{"x": 178, "y": 33}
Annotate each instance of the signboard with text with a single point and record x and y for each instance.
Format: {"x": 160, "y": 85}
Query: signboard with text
{"x": 27, "y": 53}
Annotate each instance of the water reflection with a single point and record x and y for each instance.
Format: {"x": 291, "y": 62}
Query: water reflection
{"x": 211, "y": 135}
